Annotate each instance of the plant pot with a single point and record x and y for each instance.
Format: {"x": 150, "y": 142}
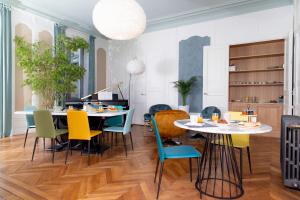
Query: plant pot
{"x": 185, "y": 108}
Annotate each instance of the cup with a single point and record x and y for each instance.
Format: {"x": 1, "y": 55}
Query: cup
{"x": 194, "y": 118}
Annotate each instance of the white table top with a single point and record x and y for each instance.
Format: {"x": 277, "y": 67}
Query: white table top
{"x": 90, "y": 114}
{"x": 223, "y": 128}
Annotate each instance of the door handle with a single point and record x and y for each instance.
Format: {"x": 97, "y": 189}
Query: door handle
{"x": 205, "y": 93}
{"x": 143, "y": 94}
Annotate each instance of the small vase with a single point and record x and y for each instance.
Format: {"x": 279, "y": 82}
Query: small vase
{"x": 185, "y": 108}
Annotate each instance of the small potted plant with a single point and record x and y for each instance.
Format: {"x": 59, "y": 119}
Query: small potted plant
{"x": 184, "y": 88}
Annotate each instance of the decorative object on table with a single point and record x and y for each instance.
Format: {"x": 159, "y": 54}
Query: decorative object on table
{"x": 184, "y": 88}
{"x": 79, "y": 129}
{"x": 134, "y": 67}
{"x": 165, "y": 121}
{"x": 45, "y": 129}
{"x": 152, "y": 111}
{"x": 119, "y": 19}
{"x": 176, "y": 152}
{"x": 289, "y": 151}
{"x": 50, "y": 76}
{"x": 126, "y": 129}
{"x": 29, "y": 121}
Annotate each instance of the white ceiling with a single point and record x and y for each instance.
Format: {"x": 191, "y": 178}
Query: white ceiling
{"x": 80, "y": 11}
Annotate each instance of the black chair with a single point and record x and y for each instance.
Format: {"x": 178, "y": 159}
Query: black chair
{"x": 152, "y": 111}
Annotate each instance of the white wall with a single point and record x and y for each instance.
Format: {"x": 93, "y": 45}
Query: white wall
{"x": 160, "y": 49}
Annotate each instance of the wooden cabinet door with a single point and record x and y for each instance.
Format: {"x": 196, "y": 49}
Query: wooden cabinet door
{"x": 270, "y": 115}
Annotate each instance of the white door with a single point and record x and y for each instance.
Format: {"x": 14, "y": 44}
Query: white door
{"x": 215, "y": 77}
{"x": 138, "y": 97}
{"x": 288, "y": 73}
{"x": 297, "y": 74}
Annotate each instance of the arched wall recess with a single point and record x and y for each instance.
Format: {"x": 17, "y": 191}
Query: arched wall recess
{"x": 23, "y": 94}
{"x": 101, "y": 69}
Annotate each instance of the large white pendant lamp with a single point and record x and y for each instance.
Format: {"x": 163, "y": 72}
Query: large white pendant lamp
{"x": 119, "y": 19}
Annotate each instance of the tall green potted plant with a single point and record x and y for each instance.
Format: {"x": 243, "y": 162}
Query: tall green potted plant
{"x": 50, "y": 75}
{"x": 184, "y": 89}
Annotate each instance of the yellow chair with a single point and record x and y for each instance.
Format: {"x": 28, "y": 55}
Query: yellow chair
{"x": 79, "y": 129}
{"x": 241, "y": 141}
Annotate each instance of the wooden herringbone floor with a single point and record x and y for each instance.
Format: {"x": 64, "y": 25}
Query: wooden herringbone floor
{"x": 116, "y": 177}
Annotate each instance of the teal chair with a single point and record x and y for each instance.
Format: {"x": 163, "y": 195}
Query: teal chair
{"x": 115, "y": 121}
{"x": 45, "y": 129}
{"x": 124, "y": 130}
{"x": 173, "y": 152}
{"x": 29, "y": 121}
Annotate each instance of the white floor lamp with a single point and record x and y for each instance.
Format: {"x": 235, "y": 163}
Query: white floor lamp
{"x": 134, "y": 67}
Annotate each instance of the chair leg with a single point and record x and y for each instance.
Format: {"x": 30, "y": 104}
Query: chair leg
{"x": 249, "y": 159}
{"x": 157, "y": 164}
{"x": 34, "y": 146}
{"x": 89, "y": 149}
{"x": 44, "y": 143}
{"x": 199, "y": 174}
{"x": 131, "y": 140}
{"x": 190, "y": 164}
{"x": 241, "y": 163}
{"x": 53, "y": 148}
{"x": 26, "y": 136}
{"x": 67, "y": 153}
{"x": 160, "y": 177}
{"x": 124, "y": 141}
{"x": 111, "y": 140}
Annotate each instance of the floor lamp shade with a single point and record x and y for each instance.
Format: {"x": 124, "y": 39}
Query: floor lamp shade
{"x": 119, "y": 19}
{"x": 135, "y": 66}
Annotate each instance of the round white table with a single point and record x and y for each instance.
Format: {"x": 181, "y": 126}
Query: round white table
{"x": 220, "y": 176}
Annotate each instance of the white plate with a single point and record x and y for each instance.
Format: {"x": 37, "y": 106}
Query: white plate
{"x": 194, "y": 124}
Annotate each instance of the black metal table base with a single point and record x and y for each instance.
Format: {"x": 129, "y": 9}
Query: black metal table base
{"x": 220, "y": 176}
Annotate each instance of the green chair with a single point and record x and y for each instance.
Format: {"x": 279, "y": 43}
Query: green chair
{"x": 115, "y": 121}
{"x": 126, "y": 129}
{"x": 45, "y": 129}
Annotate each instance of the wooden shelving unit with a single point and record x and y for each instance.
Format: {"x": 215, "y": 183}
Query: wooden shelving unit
{"x": 258, "y": 65}
{"x": 256, "y": 85}
{"x": 256, "y": 56}
{"x": 258, "y": 70}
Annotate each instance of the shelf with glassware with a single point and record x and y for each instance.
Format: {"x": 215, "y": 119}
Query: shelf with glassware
{"x": 256, "y": 74}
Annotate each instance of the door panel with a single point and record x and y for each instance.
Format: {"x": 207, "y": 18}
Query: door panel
{"x": 215, "y": 77}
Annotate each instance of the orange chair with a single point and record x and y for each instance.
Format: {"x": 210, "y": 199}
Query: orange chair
{"x": 165, "y": 123}
{"x": 79, "y": 129}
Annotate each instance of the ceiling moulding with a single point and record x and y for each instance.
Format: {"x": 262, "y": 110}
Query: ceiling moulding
{"x": 67, "y": 21}
{"x": 228, "y": 10}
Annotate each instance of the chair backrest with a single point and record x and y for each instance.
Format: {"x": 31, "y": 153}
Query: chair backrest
{"x": 128, "y": 121}
{"x": 44, "y": 124}
{"x": 165, "y": 122}
{"x": 158, "y": 107}
{"x": 117, "y": 120}
{"x": 30, "y": 118}
{"x": 208, "y": 111}
{"x": 239, "y": 140}
{"x": 78, "y": 125}
{"x": 161, "y": 151}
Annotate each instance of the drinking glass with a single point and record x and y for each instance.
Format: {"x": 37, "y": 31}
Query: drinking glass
{"x": 215, "y": 117}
